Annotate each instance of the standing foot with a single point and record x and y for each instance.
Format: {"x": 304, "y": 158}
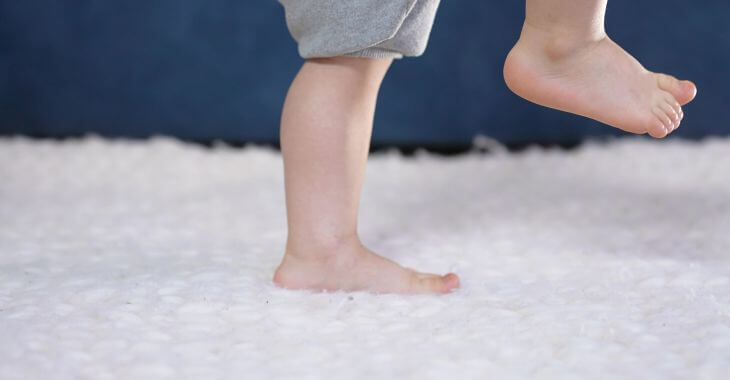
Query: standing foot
{"x": 350, "y": 266}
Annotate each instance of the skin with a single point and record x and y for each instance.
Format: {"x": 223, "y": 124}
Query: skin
{"x": 325, "y": 136}
{"x": 563, "y": 60}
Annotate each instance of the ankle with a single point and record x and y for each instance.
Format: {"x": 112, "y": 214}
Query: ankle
{"x": 322, "y": 249}
{"x": 557, "y": 43}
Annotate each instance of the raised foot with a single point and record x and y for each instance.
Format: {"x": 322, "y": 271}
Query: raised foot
{"x": 596, "y": 79}
{"x": 355, "y": 268}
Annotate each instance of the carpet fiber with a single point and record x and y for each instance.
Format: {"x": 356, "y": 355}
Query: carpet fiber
{"x": 153, "y": 259}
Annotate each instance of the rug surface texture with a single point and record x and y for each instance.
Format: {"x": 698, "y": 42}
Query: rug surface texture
{"x": 153, "y": 259}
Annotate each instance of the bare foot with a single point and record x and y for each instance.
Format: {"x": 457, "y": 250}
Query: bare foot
{"x": 596, "y": 79}
{"x": 353, "y": 267}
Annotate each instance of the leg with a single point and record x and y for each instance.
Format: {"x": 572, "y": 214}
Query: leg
{"x": 564, "y": 60}
{"x": 325, "y": 135}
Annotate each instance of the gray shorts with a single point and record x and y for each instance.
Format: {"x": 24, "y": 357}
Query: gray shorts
{"x": 360, "y": 28}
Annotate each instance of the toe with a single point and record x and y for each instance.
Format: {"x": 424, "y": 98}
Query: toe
{"x": 664, "y": 117}
{"x": 656, "y": 128}
{"x": 672, "y": 114}
{"x": 452, "y": 281}
{"x": 431, "y": 283}
{"x": 682, "y": 90}
{"x": 669, "y": 111}
{"x": 674, "y": 104}
{"x": 689, "y": 91}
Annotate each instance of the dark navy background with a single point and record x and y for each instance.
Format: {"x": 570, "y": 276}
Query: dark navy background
{"x": 207, "y": 70}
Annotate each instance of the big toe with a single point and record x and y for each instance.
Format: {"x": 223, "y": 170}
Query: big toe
{"x": 682, "y": 90}
{"x": 431, "y": 283}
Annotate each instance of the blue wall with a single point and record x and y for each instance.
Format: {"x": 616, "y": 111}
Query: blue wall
{"x": 219, "y": 70}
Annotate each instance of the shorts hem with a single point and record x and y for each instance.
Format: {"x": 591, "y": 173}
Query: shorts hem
{"x": 375, "y": 52}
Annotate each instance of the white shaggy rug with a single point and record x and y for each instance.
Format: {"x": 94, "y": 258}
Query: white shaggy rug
{"x": 146, "y": 260}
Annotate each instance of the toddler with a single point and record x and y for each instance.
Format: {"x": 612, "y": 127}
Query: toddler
{"x": 563, "y": 60}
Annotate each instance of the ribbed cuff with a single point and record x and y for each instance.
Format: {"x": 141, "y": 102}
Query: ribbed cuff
{"x": 375, "y": 52}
